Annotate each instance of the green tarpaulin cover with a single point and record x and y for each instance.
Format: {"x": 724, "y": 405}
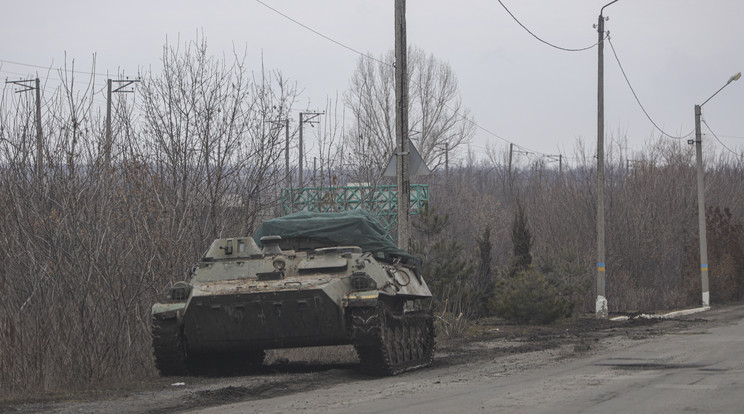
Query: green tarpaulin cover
{"x": 348, "y": 228}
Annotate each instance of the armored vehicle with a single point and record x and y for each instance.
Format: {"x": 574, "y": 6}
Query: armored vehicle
{"x": 306, "y": 279}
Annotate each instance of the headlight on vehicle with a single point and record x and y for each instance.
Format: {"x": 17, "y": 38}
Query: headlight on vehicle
{"x": 279, "y": 263}
{"x": 179, "y": 292}
{"x": 362, "y": 281}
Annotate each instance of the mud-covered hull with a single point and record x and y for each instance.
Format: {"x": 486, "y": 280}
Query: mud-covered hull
{"x": 242, "y": 300}
{"x": 264, "y": 320}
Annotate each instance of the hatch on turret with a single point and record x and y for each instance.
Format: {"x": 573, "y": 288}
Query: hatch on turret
{"x": 322, "y": 263}
{"x": 238, "y": 247}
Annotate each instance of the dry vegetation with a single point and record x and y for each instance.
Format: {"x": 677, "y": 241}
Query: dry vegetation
{"x": 87, "y": 247}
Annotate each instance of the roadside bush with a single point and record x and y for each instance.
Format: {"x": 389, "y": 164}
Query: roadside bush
{"x": 529, "y": 297}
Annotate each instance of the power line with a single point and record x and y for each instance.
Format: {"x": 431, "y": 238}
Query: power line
{"x": 50, "y": 68}
{"x": 387, "y": 64}
{"x": 719, "y": 141}
{"x": 622, "y": 70}
{"x": 463, "y": 117}
{"x": 26, "y": 74}
{"x": 47, "y": 78}
{"x": 14, "y": 73}
{"x": 565, "y": 49}
{"x": 330, "y": 39}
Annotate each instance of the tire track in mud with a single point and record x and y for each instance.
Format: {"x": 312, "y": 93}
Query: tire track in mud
{"x": 277, "y": 381}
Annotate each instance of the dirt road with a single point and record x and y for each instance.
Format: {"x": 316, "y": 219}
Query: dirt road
{"x": 576, "y": 365}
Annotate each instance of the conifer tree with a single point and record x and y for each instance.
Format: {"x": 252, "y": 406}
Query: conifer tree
{"x": 521, "y": 241}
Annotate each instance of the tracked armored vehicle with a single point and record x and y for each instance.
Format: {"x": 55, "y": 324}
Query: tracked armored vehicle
{"x": 307, "y": 279}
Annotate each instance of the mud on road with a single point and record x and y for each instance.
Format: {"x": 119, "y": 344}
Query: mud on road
{"x": 506, "y": 348}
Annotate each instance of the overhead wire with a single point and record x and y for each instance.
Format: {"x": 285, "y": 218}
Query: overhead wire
{"x": 719, "y": 141}
{"x": 13, "y": 73}
{"x": 345, "y": 46}
{"x": 565, "y": 49}
{"x": 52, "y": 90}
{"x": 26, "y": 75}
{"x": 622, "y": 70}
{"x": 330, "y": 39}
{"x": 51, "y": 68}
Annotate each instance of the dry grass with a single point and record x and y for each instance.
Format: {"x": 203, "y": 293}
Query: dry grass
{"x": 449, "y": 326}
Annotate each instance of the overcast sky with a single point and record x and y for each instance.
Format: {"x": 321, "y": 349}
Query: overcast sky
{"x": 676, "y": 53}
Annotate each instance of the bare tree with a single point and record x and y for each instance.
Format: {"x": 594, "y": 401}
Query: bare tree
{"x": 85, "y": 251}
{"x": 438, "y": 120}
{"x": 209, "y": 122}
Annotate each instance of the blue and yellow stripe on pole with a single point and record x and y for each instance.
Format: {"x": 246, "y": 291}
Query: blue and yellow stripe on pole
{"x": 704, "y": 267}
{"x": 601, "y": 266}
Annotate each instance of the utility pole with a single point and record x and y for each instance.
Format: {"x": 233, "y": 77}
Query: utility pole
{"x": 39, "y": 133}
{"x": 446, "y": 160}
{"x": 701, "y": 209}
{"x": 701, "y": 196}
{"x": 601, "y": 308}
{"x": 558, "y": 158}
{"x": 286, "y": 154}
{"x": 287, "y": 179}
{"x": 401, "y": 127}
{"x": 285, "y": 123}
{"x": 301, "y": 150}
{"x": 511, "y": 151}
{"x": 123, "y": 83}
{"x": 26, "y": 85}
{"x": 311, "y": 119}
{"x": 107, "y": 144}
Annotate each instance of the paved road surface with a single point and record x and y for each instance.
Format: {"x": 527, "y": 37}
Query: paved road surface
{"x": 698, "y": 371}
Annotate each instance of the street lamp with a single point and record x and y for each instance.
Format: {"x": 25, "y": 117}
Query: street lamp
{"x": 701, "y": 196}
{"x": 601, "y": 305}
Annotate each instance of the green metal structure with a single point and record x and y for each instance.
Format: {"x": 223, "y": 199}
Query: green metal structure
{"x": 381, "y": 200}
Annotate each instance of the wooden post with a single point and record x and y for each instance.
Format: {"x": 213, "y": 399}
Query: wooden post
{"x": 401, "y": 127}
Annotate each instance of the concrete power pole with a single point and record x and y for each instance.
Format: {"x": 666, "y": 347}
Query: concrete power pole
{"x": 287, "y": 177}
{"x": 701, "y": 195}
{"x": 288, "y": 181}
{"x": 446, "y": 160}
{"x": 301, "y": 150}
{"x": 701, "y": 209}
{"x": 401, "y": 127}
{"x": 26, "y": 85}
{"x": 511, "y": 153}
{"x": 39, "y": 133}
{"x": 107, "y": 144}
{"x": 601, "y": 308}
{"x": 303, "y": 120}
{"x": 123, "y": 83}
{"x": 284, "y": 123}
